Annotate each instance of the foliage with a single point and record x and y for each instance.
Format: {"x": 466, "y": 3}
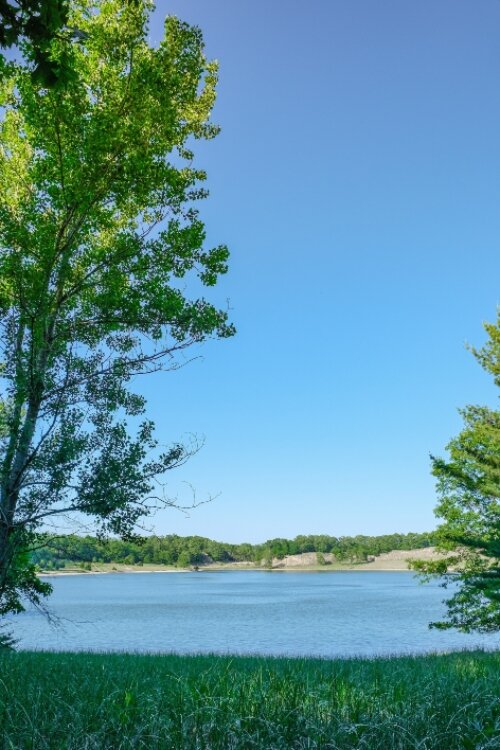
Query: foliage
{"x": 21, "y": 574}
{"x": 320, "y": 558}
{"x": 7, "y": 640}
{"x": 36, "y": 24}
{"x": 99, "y": 231}
{"x": 55, "y": 552}
{"x": 52, "y": 701}
{"x": 468, "y": 483}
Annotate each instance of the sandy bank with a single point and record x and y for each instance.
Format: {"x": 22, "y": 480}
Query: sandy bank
{"x": 98, "y": 570}
{"x": 395, "y": 561}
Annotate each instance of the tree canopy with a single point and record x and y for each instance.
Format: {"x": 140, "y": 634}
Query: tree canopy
{"x": 468, "y": 484}
{"x": 34, "y": 24}
{"x": 99, "y": 235}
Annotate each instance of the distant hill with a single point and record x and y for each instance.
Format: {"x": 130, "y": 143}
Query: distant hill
{"x": 394, "y": 560}
{"x": 57, "y": 552}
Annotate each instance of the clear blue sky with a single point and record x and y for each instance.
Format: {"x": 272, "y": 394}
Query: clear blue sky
{"x": 357, "y": 183}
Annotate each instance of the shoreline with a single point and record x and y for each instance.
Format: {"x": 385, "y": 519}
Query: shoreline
{"x": 396, "y": 561}
{"x": 208, "y": 569}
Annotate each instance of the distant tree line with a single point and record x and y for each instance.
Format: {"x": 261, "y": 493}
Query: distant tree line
{"x": 55, "y": 552}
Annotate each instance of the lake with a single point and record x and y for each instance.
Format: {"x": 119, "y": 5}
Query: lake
{"x": 311, "y": 614}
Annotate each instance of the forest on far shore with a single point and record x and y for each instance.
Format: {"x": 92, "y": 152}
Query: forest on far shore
{"x": 56, "y": 552}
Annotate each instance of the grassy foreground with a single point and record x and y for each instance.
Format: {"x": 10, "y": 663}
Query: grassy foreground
{"x": 85, "y": 701}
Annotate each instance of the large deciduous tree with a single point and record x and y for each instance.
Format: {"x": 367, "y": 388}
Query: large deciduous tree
{"x": 98, "y": 226}
{"x": 468, "y": 484}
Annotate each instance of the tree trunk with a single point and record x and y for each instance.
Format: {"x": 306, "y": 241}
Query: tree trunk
{"x": 11, "y": 490}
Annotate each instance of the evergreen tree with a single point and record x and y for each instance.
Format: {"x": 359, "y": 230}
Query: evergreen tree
{"x": 468, "y": 484}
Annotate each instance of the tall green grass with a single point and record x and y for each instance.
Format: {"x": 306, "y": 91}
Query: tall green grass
{"x": 123, "y": 701}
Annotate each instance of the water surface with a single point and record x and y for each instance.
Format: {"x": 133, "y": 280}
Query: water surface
{"x": 326, "y": 614}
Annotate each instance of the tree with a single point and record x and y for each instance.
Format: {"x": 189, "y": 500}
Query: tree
{"x": 35, "y": 24}
{"x": 320, "y": 558}
{"x": 468, "y": 485}
{"x": 98, "y": 226}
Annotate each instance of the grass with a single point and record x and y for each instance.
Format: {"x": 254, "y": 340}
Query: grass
{"x": 62, "y": 701}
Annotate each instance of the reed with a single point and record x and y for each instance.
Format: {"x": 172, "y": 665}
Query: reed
{"x": 81, "y": 701}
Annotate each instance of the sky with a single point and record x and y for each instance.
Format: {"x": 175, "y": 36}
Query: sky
{"x": 356, "y": 181}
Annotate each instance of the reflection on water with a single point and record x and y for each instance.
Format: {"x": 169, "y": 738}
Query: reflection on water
{"x": 325, "y": 614}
